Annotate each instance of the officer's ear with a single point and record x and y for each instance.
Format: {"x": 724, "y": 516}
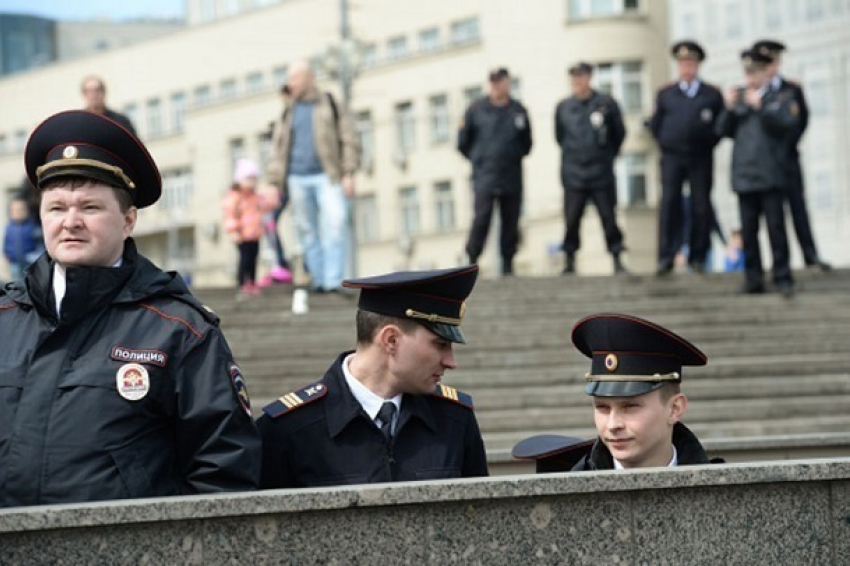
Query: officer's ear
{"x": 677, "y": 406}
{"x": 387, "y": 338}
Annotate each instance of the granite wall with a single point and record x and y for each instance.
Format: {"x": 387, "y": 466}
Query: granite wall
{"x": 794, "y": 512}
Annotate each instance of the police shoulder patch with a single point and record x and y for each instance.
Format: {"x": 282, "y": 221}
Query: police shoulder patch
{"x": 296, "y": 399}
{"x": 451, "y": 394}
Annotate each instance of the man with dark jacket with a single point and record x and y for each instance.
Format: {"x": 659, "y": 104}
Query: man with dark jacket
{"x": 762, "y": 122}
{"x": 589, "y": 128}
{"x": 94, "y": 95}
{"x": 494, "y": 136}
{"x": 115, "y": 381}
{"x": 795, "y": 195}
{"x": 380, "y": 413}
{"x": 683, "y": 125}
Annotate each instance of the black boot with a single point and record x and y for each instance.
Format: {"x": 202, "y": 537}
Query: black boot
{"x": 618, "y": 264}
{"x": 507, "y": 266}
{"x": 570, "y": 265}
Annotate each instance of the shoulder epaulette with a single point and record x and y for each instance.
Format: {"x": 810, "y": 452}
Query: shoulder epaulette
{"x": 296, "y": 399}
{"x": 451, "y": 394}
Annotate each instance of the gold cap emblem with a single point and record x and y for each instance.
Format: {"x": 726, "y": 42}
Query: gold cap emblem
{"x": 611, "y": 362}
{"x": 70, "y": 152}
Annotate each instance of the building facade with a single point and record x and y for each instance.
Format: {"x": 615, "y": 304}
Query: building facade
{"x": 817, "y": 35}
{"x": 200, "y": 103}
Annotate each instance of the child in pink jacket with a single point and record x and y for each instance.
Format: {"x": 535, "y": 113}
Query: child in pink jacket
{"x": 243, "y": 222}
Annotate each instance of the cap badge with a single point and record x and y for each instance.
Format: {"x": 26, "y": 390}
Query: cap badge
{"x": 70, "y": 152}
{"x": 462, "y": 310}
{"x": 611, "y": 362}
{"x": 132, "y": 381}
{"x": 683, "y": 50}
{"x": 748, "y": 60}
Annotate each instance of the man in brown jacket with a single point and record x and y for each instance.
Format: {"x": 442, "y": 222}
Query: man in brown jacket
{"x": 314, "y": 156}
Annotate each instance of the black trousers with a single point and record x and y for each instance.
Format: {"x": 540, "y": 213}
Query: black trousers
{"x": 575, "y": 201}
{"x": 698, "y": 171}
{"x": 799, "y": 214}
{"x": 751, "y": 207}
{"x": 509, "y": 209}
{"x": 248, "y": 252}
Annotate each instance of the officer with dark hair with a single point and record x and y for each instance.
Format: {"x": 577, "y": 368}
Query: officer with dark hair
{"x": 116, "y": 382}
{"x": 589, "y": 129}
{"x": 381, "y": 413}
{"x": 762, "y": 122}
{"x": 795, "y": 193}
{"x": 684, "y": 126}
{"x": 495, "y": 135}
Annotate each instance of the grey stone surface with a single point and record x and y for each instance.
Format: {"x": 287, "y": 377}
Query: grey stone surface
{"x": 768, "y": 513}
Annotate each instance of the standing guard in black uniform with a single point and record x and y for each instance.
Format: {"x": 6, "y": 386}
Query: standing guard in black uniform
{"x": 380, "y": 413}
{"x": 795, "y": 193}
{"x": 115, "y": 382}
{"x": 684, "y": 126}
{"x": 495, "y": 135}
{"x": 762, "y": 122}
{"x": 589, "y": 128}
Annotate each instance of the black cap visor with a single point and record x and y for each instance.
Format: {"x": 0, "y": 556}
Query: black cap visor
{"x": 446, "y": 331}
{"x": 623, "y": 388}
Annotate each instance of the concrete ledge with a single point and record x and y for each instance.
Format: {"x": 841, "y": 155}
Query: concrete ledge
{"x": 795, "y": 512}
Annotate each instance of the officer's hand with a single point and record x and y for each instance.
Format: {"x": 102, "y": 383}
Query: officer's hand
{"x": 347, "y": 183}
{"x": 753, "y": 98}
{"x": 731, "y": 98}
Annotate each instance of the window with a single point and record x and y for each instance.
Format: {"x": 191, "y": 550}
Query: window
{"x": 471, "y": 94}
{"x": 439, "y": 118}
{"x": 236, "y": 150}
{"x": 405, "y": 126}
{"x": 397, "y": 48}
{"x": 131, "y": 111}
{"x": 227, "y": 89}
{"x": 588, "y": 9}
{"x": 203, "y": 95}
{"x": 444, "y": 206}
{"x": 516, "y": 88}
{"x": 369, "y": 56}
{"x": 20, "y": 140}
{"x": 366, "y": 136}
{"x": 734, "y": 28}
{"x": 465, "y": 31}
{"x": 264, "y": 149}
{"x": 824, "y": 191}
{"x": 154, "y": 112}
{"x": 429, "y": 40}
{"x": 208, "y": 11}
{"x": 178, "y": 111}
{"x": 818, "y": 96}
{"x": 631, "y": 179}
{"x": 623, "y": 81}
{"x": 231, "y": 7}
{"x": 367, "y": 225}
{"x": 279, "y": 75}
{"x": 254, "y": 82}
{"x": 409, "y": 203}
{"x": 815, "y": 10}
{"x": 176, "y": 191}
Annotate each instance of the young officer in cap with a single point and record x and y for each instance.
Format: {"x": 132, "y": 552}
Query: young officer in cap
{"x": 762, "y": 122}
{"x": 589, "y": 129}
{"x": 796, "y": 197}
{"x": 381, "y": 413}
{"x": 634, "y": 379}
{"x": 683, "y": 126}
{"x": 116, "y": 382}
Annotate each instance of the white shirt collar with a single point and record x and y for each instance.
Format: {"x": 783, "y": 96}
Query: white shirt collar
{"x": 370, "y": 402}
{"x": 690, "y": 88}
{"x": 60, "y": 285}
{"x": 775, "y": 82}
{"x": 674, "y": 461}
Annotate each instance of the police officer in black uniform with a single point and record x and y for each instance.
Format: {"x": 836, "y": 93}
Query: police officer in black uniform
{"x": 763, "y": 123}
{"x": 589, "y": 128}
{"x": 381, "y": 413}
{"x": 494, "y": 136}
{"x": 115, "y": 382}
{"x": 684, "y": 126}
{"x": 796, "y": 196}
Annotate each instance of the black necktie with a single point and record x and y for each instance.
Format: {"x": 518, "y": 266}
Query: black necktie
{"x": 385, "y": 415}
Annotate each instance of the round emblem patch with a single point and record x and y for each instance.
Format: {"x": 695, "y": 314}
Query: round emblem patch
{"x": 70, "y": 152}
{"x": 611, "y": 362}
{"x": 706, "y": 115}
{"x": 596, "y": 119}
{"x": 240, "y": 387}
{"x": 132, "y": 381}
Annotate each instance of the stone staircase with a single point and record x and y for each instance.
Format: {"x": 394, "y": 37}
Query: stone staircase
{"x": 776, "y": 366}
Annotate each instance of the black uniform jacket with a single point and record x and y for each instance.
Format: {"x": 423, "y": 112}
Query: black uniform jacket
{"x": 686, "y": 126}
{"x": 803, "y": 122}
{"x": 764, "y": 139}
{"x": 495, "y": 139}
{"x": 590, "y": 133}
{"x": 68, "y": 432}
{"x": 689, "y": 452}
{"x": 328, "y": 439}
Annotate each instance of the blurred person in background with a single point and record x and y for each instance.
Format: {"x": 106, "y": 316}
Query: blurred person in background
{"x": 94, "y": 98}
{"x": 315, "y": 154}
{"x": 495, "y": 136}
{"x": 22, "y": 242}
